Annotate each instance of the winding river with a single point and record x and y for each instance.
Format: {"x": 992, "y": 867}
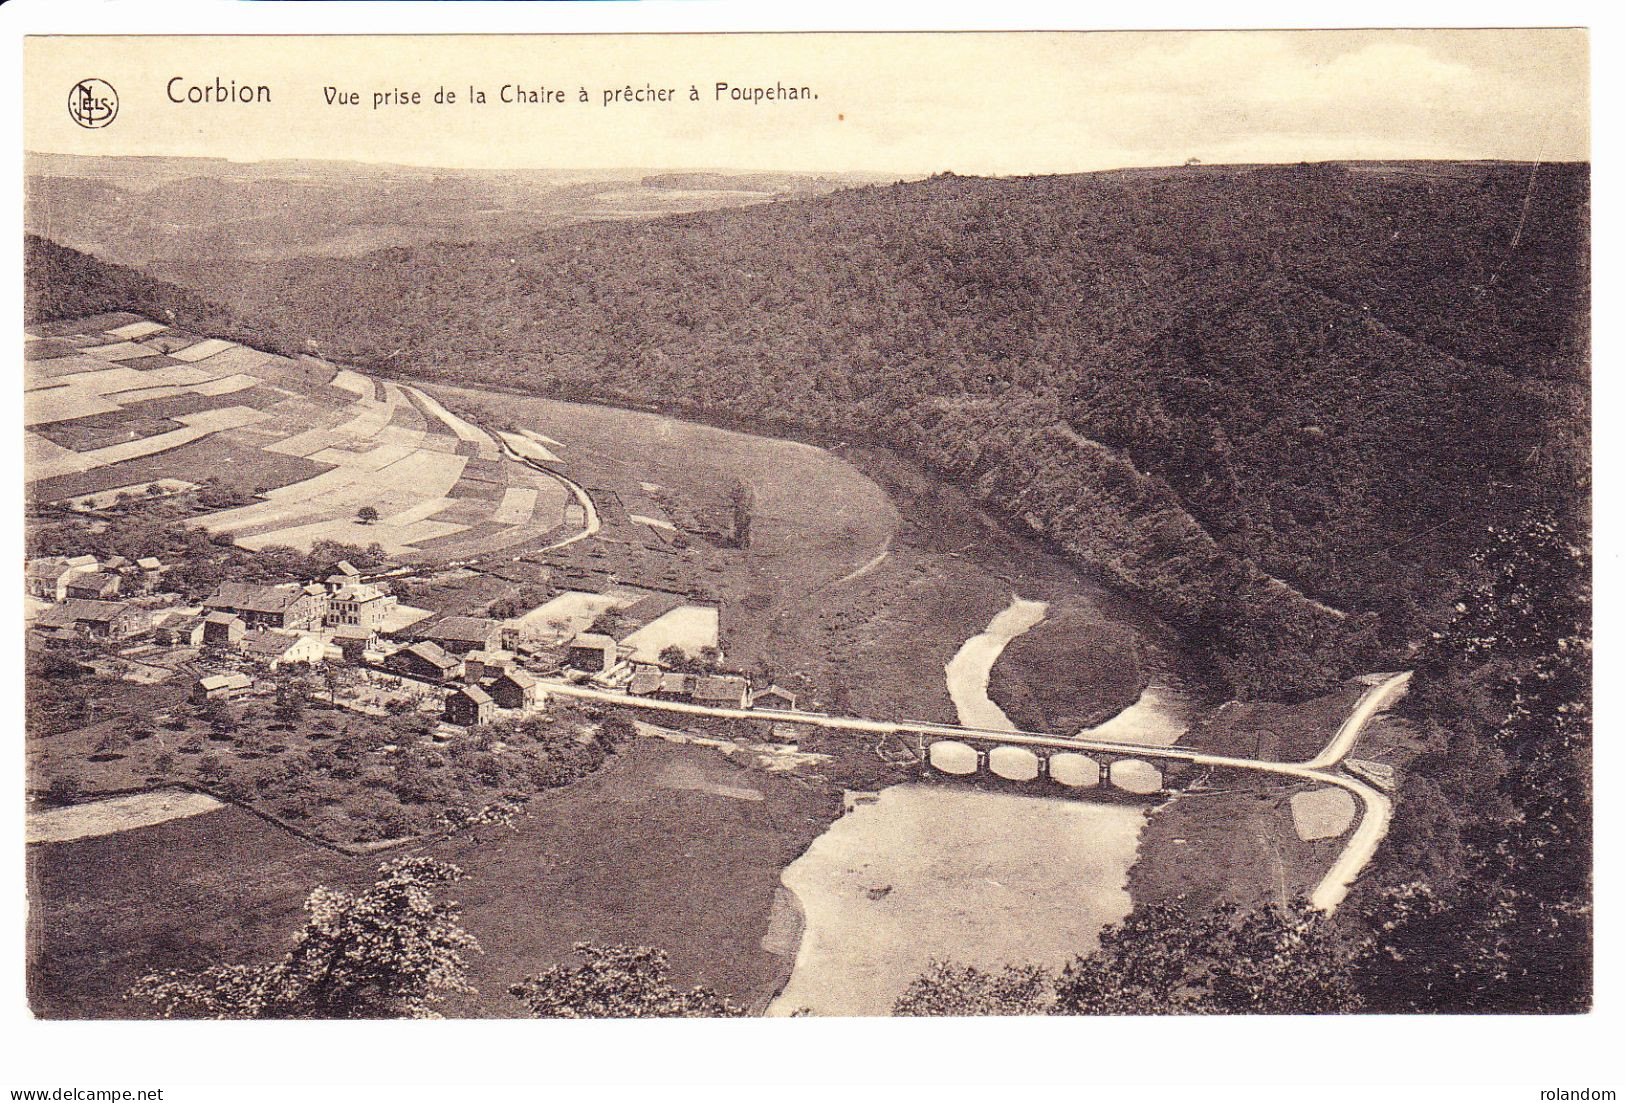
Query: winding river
{"x": 929, "y": 871}
{"x": 971, "y": 667}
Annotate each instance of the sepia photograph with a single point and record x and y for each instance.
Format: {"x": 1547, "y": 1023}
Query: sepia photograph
{"x": 807, "y": 525}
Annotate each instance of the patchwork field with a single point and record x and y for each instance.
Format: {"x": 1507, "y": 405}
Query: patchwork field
{"x": 116, "y": 401}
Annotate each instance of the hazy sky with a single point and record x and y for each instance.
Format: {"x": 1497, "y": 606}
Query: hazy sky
{"x": 972, "y": 103}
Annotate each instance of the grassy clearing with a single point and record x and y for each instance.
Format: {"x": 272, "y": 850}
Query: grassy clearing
{"x": 1287, "y": 733}
{"x": 623, "y": 855}
{"x": 1234, "y": 843}
{"x": 1238, "y": 840}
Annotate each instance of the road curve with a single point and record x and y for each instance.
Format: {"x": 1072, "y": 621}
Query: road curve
{"x": 1327, "y": 895}
{"x": 588, "y": 509}
{"x": 1373, "y": 701}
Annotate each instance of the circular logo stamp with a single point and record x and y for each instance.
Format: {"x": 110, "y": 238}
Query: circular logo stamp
{"x": 93, "y": 103}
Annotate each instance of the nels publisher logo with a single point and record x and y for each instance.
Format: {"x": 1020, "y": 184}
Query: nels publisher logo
{"x": 93, "y": 103}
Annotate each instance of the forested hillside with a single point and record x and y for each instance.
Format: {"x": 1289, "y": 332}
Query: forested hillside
{"x": 1325, "y": 419}
{"x": 1311, "y": 380}
{"x": 64, "y": 283}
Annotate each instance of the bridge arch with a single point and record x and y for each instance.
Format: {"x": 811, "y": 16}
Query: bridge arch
{"x": 953, "y": 757}
{"x": 1076, "y": 771}
{"x": 1135, "y": 775}
{"x": 1013, "y": 763}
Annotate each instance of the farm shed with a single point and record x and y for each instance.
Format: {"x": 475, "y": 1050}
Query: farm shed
{"x": 426, "y": 661}
{"x": 48, "y": 578}
{"x": 594, "y": 653}
{"x": 773, "y": 697}
{"x": 216, "y": 687}
{"x": 179, "y": 630}
{"x": 726, "y": 690}
{"x": 352, "y": 640}
{"x": 276, "y": 649}
{"x": 221, "y": 629}
{"x": 480, "y": 665}
{"x": 99, "y": 619}
{"x": 96, "y": 585}
{"x": 460, "y": 635}
{"x": 288, "y": 605}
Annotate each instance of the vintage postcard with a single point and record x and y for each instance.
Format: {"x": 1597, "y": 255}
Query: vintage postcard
{"x": 715, "y": 525}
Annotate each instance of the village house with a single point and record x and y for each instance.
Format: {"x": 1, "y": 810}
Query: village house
{"x": 223, "y": 630}
{"x": 96, "y": 619}
{"x": 276, "y": 649}
{"x": 344, "y": 574}
{"x": 288, "y": 605}
{"x": 724, "y": 690}
{"x": 460, "y": 635}
{"x": 359, "y": 605}
{"x": 48, "y": 578}
{"x": 515, "y": 689}
{"x": 179, "y": 630}
{"x": 773, "y": 697}
{"x": 468, "y": 706}
{"x": 426, "y": 661}
{"x": 594, "y": 653}
{"x": 151, "y": 571}
{"x": 95, "y": 585}
{"x": 221, "y": 687}
{"x": 353, "y": 641}
{"x": 480, "y": 665}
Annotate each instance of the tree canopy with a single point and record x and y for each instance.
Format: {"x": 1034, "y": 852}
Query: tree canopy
{"x": 393, "y": 951}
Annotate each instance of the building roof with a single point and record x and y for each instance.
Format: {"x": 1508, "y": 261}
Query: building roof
{"x": 353, "y": 632}
{"x": 358, "y": 591}
{"x": 475, "y": 694}
{"x": 432, "y": 652}
{"x": 269, "y": 642}
{"x": 150, "y": 563}
{"x": 524, "y": 679}
{"x": 82, "y": 561}
{"x": 114, "y": 562}
{"x": 255, "y": 599}
{"x": 677, "y": 683}
{"x": 720, "y": 687}
{"x": 775, "y": 688}
{"x": 644, "y": 681}
{"x": 345, "y": 567}
{"x": 220, "y": 616}
{"x": 181, "y": 620}
{"x": 57, "y": 616}
{"x": 84, "y": 608}
{"x": 461, "y": 630}
{"x": 596, "y": 640}
{"x": 90, "y": 579}
{"x": 233, "y": 680}
{"x": 52, "y": 568}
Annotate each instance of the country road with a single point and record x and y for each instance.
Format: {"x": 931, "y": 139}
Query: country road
{"x": 1327, "y": 895}
{"x": 1373, "y": 701}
